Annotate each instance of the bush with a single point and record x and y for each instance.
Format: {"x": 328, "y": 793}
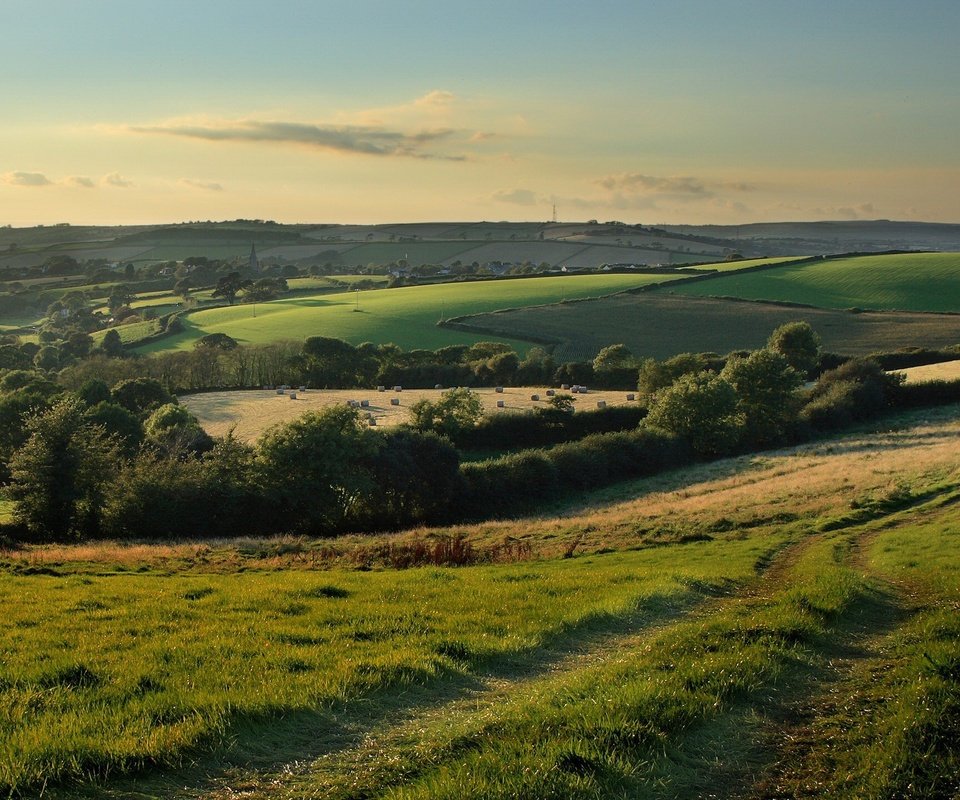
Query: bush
{"x": 701, "y": 408}
{"x": 161, "y": 498}
{"x": 508, "y": 485}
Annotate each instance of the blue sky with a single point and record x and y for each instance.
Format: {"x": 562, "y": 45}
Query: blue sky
{"x": 697, "y": 111}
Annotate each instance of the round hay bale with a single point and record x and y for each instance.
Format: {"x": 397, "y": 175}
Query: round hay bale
{"x": 394, "y": 401}
{"x": 534, "y": 397}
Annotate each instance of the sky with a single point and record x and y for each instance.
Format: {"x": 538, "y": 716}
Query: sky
{"x": 650, "y": 111}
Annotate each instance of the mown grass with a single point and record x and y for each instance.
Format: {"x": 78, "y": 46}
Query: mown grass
{"x": 406, "y": 316}
{"x": 912, "y": 282}
{"x": 102, "y": 674}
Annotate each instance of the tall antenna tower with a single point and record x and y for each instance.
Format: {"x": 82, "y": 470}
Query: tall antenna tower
{"x": 554, "y": 212}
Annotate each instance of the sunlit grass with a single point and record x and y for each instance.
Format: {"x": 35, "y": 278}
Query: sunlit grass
{"x": 106, "y": 672}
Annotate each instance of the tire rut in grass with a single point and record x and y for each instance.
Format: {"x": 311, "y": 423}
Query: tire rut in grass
{"x": 355, "y": 764}
{"x": 794, "y": 729}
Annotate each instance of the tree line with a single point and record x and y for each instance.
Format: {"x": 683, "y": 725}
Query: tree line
{"x": 126, "y": 461}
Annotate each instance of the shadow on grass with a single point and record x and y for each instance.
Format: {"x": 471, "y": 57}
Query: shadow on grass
{"x": 254, "y": 748}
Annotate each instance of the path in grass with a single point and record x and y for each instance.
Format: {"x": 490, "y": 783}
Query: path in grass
{"x": 859, "y": 734}
{"x": 419, "y": 752}
{"x": 377, "y": 751}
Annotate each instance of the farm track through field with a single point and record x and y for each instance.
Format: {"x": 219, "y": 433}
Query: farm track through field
{"x": 352, "y": 764}
{"x": 335, "y": 753}
{"x": 860, "y": 647}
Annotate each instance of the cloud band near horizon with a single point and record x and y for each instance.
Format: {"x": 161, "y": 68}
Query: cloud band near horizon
{"x": 352, "y": 139}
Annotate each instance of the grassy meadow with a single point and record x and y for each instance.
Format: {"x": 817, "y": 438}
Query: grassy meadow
{"x": 908, "y": 282}
{"x": 660, "y": 325}
{"x": 664, "y": 637}
{"x": 406, "y": 316}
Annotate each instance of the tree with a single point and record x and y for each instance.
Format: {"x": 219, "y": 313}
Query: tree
{"x": 701, "y": 408}
{"x": 456, "y": 410}
{"x": 229, "y": 286}
{"x": 140, "y": 395}
{"x": 216, "y": 341}
{"x": 417, "y": 477}
{"x": 175, "y": 432}
{"x": 120, "y": 295}
{"x": 656, "y": 375}
{"x": 112, "y": 344}
{"x": 59, "y": 475}
{"x": 334, "y": 362}
{"x": 798, "y": 343}
{"x": 182, "y": 288}
{"x": 314, "y": 469}
{"x": 614, "y": 357}
{"x": 766, "y": 387}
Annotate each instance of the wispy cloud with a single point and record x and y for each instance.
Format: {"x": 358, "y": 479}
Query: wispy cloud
{"x": 520, "y": 197}
{"x": 79, "y": 181}
{"x": 18, "y": 178}
{"x": 356, "y": 139}
{"x": 116, "y": 180}
{"x": 438, "y": 97}
{"x": 204, "y": 185}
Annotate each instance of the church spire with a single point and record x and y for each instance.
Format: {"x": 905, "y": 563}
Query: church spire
{"x": 254, "y": 262}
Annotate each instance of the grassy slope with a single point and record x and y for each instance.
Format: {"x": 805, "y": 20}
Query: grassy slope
{"x": 918, "y": 282}
{"x": 406, "y": 316}
{"x": 660, "y": 325}
{"x": 134, "y": 684}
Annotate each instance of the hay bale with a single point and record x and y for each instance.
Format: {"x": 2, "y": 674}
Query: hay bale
{"x": 499, "y": 390}
{"x": 293, "y": 395}
{"x": 631, "y": 397}
{"x": 500, "y": 404}
{"x": 303, "y": 388}
{"x": 565, "y": 386}
{"x": 398, "y": 388}
{"x": 601, "y": 403}
{"x": 373, "y": 421}
{"x": 281, "y": 391}
{"x": 394, "y": 401}
{"x": 381, "y": 388}
{"x": 438, "y": 386}
{"x": 551, "y": 393}
{"x": 364, "y": 404}
{"x": 534, "y": 397}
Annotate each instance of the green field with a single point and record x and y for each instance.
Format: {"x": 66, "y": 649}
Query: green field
{"x": 917, "y": 282}
{"x": 697, "y": 641}
{"x": 406, "y": 316}
{"x": 659, "y": 325}
{"x": 747, "y": 263}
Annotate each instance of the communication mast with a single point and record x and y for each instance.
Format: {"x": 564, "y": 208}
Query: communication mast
{"x": 554, "y": 212}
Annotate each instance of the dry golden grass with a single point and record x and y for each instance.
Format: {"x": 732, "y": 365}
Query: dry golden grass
{"x": 947, "y": 371}
{"x": 793, "y": 486}
{"x": 251, "y": 412}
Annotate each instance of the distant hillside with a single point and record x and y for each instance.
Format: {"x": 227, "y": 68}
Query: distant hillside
{"x": 574, "y": 245}
{"x": 814, "y": 238}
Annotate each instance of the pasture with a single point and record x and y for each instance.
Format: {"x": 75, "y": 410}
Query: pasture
{"x": 660, "y": 325}
{"x": 406, "y": 316}
{"x": 910, "y": 282}
{"x": 945, "y": 371}
{"x": 250, "y": 412}
{"x": 693, "y": 639}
